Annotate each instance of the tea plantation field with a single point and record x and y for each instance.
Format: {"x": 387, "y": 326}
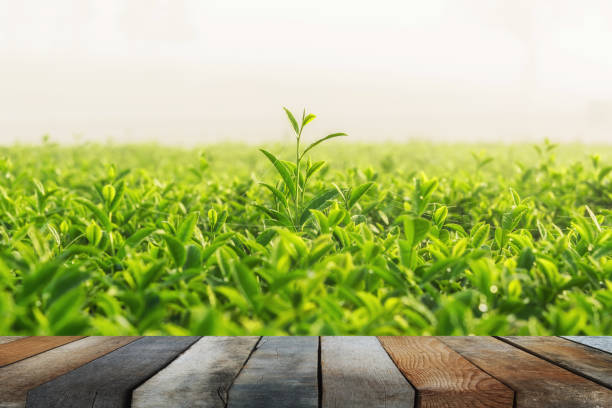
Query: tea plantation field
{"x": 380, "y": 240}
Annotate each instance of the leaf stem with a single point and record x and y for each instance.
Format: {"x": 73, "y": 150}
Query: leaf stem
{"x": 297, "y": 180}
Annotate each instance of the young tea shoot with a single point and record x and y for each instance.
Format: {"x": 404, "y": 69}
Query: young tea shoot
{"x": 291, "y": 210}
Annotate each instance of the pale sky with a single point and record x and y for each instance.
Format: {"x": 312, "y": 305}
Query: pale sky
{"x": 194, "y": 72}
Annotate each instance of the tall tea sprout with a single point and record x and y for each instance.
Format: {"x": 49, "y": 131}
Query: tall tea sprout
{"x": 292, "y": 211}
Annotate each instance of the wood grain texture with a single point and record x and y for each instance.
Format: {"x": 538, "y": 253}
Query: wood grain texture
{"x": 537, "y": 383}
{"x": 603, "y": 343}
{"x": 200, "y": 377}
{"x": 357, "y": 372}
{"x": 8, "y": 339}
{"x": 108, "y": 381}
{"x": 442, "y": 377}
{"x": 281, "y": 373}
{"x": 18, "y": 378}
{"x": 30, "y": 346}
{"x": 583, "y": 360}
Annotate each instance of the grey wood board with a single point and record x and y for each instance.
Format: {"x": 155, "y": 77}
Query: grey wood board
{"x": 281, "y": 373}
{"x": 108, "y": 381}
{"x": 357, "y": 372}
{"x": 200, "y": 377}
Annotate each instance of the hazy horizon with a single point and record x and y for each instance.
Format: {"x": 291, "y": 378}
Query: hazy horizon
{"x": 189, "y": 72}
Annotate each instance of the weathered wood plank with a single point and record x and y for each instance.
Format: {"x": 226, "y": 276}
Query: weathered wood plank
{"x": 583, "y": 360}
{"x": 281, "y": 373}
{"x": 200, "y": 377}
{"x": 8, "y": 339}
{"x": 30, "y": 346}
{"x": 442, "y": 377}
{"x": 108, "y": 381}
{"x": 537, "y": 382}
{"x": 18, "y": 378}
{"x": 357, "y": 372}
{"x": 603, "y": 343}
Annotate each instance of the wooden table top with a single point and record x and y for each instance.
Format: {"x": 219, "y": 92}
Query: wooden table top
{"x": 359, "y": 372}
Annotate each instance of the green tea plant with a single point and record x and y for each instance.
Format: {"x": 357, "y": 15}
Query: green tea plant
{"x": 294, "y": 180}
{"x": 384, "y": 239}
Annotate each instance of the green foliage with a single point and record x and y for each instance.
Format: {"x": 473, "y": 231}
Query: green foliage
{"x": 386, "y": 239}
{"x": 295, "y": 181}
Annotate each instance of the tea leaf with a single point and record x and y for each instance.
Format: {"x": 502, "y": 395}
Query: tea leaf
{"x": 294, "y": 123}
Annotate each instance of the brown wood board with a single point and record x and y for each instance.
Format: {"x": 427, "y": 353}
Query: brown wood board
{"x": 583, "y": 360}
{"x": 8, "y": 339}
{"x": 357, "y": 372}
{"x": 108, "y": 381}
{"x": 442, "y": 377}
{"x": 30, "y": 346}
{"x": 18, "y": 378}
{"x": 603, "y": 343}
{"x": 536, "y": 382}
{"x": 281, "y": 373}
